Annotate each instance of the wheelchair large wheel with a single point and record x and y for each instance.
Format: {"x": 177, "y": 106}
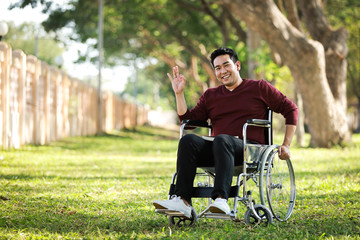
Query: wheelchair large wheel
{"x": 277, "y": 183}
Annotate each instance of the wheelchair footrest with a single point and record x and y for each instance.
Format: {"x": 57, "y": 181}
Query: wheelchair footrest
{"x": 169, "y": 212}
{"x": 207, "y": 214}
{"x": 217, "y": 216}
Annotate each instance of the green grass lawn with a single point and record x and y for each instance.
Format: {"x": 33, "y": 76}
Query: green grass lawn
{"x": 103, "y": 188}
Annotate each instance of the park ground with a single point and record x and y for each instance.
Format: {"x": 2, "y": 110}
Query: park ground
{"x": 102, "y": 187}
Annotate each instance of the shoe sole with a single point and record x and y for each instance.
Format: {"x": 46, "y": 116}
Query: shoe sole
{"x": 170, "y": 212}
{"x": 158, "y": 206}
{"x": 216, "y": 210}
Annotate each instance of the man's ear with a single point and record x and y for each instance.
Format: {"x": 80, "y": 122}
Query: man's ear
{"x": 238, "y": 65}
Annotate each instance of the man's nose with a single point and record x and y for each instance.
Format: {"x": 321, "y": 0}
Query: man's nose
{"x": 222, "y": 70}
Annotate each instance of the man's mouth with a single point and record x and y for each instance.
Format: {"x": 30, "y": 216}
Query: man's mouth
{"x": 225, "y": 77}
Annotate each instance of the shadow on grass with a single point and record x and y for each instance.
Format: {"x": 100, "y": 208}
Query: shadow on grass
{"x": 115, "y": 140}
{"x": 152, "y": 132}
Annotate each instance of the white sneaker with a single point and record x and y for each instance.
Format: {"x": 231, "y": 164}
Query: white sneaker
{"x": 174, "y": 204}
{"x": 220, "y": 206}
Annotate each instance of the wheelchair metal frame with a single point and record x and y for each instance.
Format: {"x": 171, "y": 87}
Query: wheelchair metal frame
{"x": 262, "y": 167}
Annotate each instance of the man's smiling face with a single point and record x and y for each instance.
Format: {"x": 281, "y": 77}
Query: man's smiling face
{"x": 227, "y": 72}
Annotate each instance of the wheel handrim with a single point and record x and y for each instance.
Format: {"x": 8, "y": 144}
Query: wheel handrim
{"x": 280, "y": 187}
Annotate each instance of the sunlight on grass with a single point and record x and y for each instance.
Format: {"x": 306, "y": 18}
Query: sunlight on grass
{"x": 103, "y": 187}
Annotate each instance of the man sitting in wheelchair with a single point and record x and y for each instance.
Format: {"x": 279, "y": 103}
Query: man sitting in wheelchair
{"x": 228, "y": 106}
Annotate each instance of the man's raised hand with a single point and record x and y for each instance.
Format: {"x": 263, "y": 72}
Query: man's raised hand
{"x": 177, "y": 81}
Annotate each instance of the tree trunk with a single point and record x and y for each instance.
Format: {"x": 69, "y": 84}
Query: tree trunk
{"x": 357, "y": 130}
{"x": 300, "y": 130}
{"x": 334, "y": 42}
{"x": 213, "y": 82}
{"x": 306, "y": 60}
{"x": 195, "y": 74}
{"x": 253, "y": 43}
{"x": 293, "y": 17}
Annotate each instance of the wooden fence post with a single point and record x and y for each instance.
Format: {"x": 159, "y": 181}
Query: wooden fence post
{"x": 53, "y": 102}
{"x": 65, "y": 107}
{"x": 44, "y": 107}
{"x": 33, "y": 68}
{"x": 5, "y": 61}
{"x": 19, "y": 64}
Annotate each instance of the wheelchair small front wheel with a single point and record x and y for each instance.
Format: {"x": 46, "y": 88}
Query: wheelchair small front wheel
{"x": 264, "y": 214}
{"x": 180, "y": 221}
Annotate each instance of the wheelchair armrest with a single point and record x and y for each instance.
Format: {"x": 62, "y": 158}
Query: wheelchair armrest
{"x": 191, "y": 124}
{"x": 259, "y": 122}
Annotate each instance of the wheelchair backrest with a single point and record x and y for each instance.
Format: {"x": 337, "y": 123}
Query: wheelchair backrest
{"x": 269, "y": 131}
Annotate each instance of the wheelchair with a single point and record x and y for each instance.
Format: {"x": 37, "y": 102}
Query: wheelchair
{"x": 272, "y": 177}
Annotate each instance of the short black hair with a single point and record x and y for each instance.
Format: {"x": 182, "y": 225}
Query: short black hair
{"x": 222, "y": 51}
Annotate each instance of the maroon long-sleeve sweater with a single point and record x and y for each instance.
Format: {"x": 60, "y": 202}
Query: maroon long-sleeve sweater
{"x": 229, "y": 110}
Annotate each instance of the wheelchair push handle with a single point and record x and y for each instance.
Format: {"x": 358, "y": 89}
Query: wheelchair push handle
{"x": 260, "y": 122}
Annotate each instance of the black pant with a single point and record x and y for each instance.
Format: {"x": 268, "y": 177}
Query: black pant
{"x": 223, "y": 153}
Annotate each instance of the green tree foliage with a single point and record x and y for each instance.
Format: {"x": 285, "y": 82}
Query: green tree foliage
{"x": 27, "y": 35}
